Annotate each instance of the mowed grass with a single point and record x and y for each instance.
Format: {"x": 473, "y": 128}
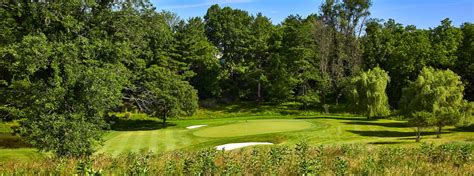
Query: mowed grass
{"x": 142, "y": 133}
{"x": 283, "y": 130}
{"x": 253, "y": 127}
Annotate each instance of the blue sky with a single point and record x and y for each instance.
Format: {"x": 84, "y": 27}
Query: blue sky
{"x": 422, "y": 13}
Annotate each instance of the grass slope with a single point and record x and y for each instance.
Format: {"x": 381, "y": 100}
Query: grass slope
{"x": 253, "y": 127}
{"x": 313, "y": 129}
{"x": 280, "y": 125}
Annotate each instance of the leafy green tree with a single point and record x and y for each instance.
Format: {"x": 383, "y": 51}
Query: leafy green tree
{"x": 420, "y": 120}
{"x": 298, "y": 49}
{"x": 200, "y": 55}
{"x": 342, "y": 24}
{"x": 165, "y": 95}
{"x": 229, "y": 30}
{"x": 63, "y": 98}
{"x": 401, "y": 51}
{"x": 465, "y": 62}
{"x": 367, "y": 93}
{"x": 261, "y": 33}
{"x": 439, "y": 92}
{"x": 467, "y": 113}
{"x": 445, "y": 40}
{"x": 281, "y": 84}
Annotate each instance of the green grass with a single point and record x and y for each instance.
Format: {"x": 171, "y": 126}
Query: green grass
{"x": 19, "y": 154}
{"x": 313, "y": 129}
{"x": 250, "y": 124}
{"x": 6, "y": 127}
{"x": 253, "y": 127}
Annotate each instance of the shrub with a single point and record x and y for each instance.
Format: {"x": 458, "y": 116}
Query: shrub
{"x": 340, "y": 166}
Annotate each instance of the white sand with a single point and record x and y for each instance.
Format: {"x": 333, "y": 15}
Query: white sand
{"x": 233, "y": 146}
{"x": 195, "y": 126}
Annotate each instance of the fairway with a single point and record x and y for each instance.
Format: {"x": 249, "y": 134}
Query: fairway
{"x": 253, "y": 127}
{"x": 287, "y": 130}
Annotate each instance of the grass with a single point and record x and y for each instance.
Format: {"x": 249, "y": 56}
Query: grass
{"x": 19, "y": 154}
{"x": 313, "y": 129}
{"x": 299, "y": 159}
{"x": 230, "y": 124}
{"x": 253, "y": 127}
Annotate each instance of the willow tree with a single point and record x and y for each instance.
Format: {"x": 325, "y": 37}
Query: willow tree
{"x": 439, "y": 92}
{"x": 366, "y": 93}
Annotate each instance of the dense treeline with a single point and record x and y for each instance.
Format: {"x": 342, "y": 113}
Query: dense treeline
{"x": 65, "y": 65}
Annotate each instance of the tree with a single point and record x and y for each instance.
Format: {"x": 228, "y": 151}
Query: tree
{"x": 367, "y": 93}
{"x": 439, "y": 92}
{"x": 301, "y": 59}
{"x": 62, "y": 97}
{"x": 229, "y": 30}
{"x": 401, "y": 51}
{"x": 261, "y": 33}
{"x": 465, "y": 62}
{"x": 445, "y": 40}
{"x": 200, "y": 55}
{"x": 64, "y": 66}
{"x": 165, "y": 95}
{"x": 420, "y": 120}
{"x": 343, "y": 22}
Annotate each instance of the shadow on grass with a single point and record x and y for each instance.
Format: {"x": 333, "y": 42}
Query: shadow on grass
{"x": 336, "y": 118}
{"x": 385, "y": 142}
{"x": 469, "y": 128}
{"x": 291, "y": 108}
{"x": 391, "y": 124}
{"x": 390, "y": 133}
{"x": 121, "y": 124}
{"x": 11, "y": 141}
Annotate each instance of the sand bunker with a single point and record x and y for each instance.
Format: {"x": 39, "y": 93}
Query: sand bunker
{"x": 233, "y": 146}
{"x": 195, "y": 126}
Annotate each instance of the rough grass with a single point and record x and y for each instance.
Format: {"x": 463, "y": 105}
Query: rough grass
{"x": 300, "y": 159}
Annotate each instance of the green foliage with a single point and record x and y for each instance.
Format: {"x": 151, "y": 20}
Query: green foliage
{"x": 445, "y": 40}
{"x": 465, "y": 62}
{"x": 340, "y": 166}
{"x": 435, "y": 91}
{"x": 404, "y": 51}
{"x": 309, "y": 99}
{"x": 165, "y": 95}
{"x": 420, "y": 120}
{"x": 140, "y": 163}
{"x": 193, "y": 48}
{"x": 65, "y": 65}
{"x": 367, "y": 93}
{"x": 85, "y": 168}
{"x": 456, "y": 158}
{"x": 229, "y": 30}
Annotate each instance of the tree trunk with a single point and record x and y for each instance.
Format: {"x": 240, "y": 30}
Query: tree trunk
{"x": 164, "y": 120}
{"x": 418, "y": 134}
{"x": 337, "y": 98}
{"x": 438, "y": 132}
{"x": 259, "y": 88}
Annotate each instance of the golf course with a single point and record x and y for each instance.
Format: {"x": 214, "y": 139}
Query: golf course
{"x": 236, "y": 87}
{"x": 139, "y": 133}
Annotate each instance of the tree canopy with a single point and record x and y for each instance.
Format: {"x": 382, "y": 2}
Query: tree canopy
{"x": 367, "y": 93}
{"x": 435, "y": 91}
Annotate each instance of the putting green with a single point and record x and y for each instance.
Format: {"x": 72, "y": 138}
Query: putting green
{"x": 253, "y": 127}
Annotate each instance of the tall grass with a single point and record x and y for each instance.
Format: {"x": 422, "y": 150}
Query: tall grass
{"x": 302, "y": 159}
